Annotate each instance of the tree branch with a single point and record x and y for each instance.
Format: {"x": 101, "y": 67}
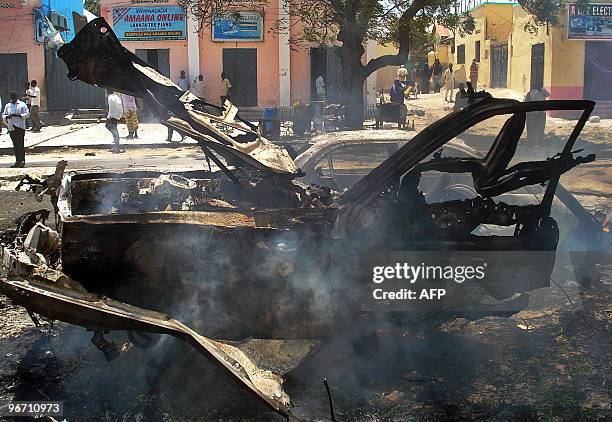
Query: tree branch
{"x": 404, "y": 41}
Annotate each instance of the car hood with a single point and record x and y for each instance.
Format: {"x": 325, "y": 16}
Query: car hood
{"x": 96, "y": 56}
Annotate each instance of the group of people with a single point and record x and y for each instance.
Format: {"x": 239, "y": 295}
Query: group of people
{"x": 197, "y": 86}
{"x": 437, "y": 78}
{"x": 121, "y": 106}
{"x": 124, "y": 106}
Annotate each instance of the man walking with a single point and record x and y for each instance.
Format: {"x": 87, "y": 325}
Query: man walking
{"x": 226, "y": 89}
{"x": 436, "y": 75}
{"x": 449, "y": 83}
{"x": 34, "y": 107}
{"x": 474, "y": 74}
{"x": 14, "y": 115}
{"x": 130, "y": 115}
{"x": 115, "y": 111}
{"x": 197, "y": 87}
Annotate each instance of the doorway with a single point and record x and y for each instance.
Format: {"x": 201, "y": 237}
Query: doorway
{"x": 597, "y": 70}
{"x": 240, "y": 66}
{"x": 159, "y": 58}
{"x": 65, "y": 94}
{"x": 326, "y": 62}
{"x": 318, "y": 67}
{"x": 13, "y": 74}
{"x": 499, "y": 66}
{"x": 537, "y": 66}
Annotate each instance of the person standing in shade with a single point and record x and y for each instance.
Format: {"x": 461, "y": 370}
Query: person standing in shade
{"x": 183, "y": 83}
{"x": 14, "y": 115}
{"x": 536, "y": 120}
{"x": 115, "y": 112}
{"x": 197, "y": 87}
{"x": 27, "y": 99}
{"x": 130, "y": 115}
{"x": 449, "y": 83}
{"x": 320, "y": 86}
{"x": 2, "y": 124}
{"x": 436, "y": 73}
{"x": 226, "y": 89}
{"x": 424, "y": 78}
{"x": 34, "y": 107}
{"x": 474, "y": 74}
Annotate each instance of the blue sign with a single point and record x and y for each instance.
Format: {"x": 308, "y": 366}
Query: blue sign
{"x": 41, "y": 27}
{"x": 238, "y": 26}
{"x": 593, "y": 23}
{"x": 149, "y": 23}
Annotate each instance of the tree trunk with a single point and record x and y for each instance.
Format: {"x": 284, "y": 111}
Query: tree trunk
{"x": 353, "y": 78}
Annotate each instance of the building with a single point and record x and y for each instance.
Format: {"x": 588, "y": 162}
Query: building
{"x": 24, "y": 55}
{"x": 572, "y": 61}
{"x": 263, "y": 69}
{"x": 21, "y": 58}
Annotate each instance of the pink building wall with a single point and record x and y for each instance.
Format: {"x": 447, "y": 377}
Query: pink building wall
{"x": 300, "y": 69}
{"x": 17, "y": 35}
{"x": 211, "y": 63}
{"x": 211, "y": 59}
{"x": 178, "y": 49}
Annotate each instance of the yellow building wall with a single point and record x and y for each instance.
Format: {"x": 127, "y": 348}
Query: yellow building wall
{"x": 386, "y": 75}
{"x": 567, "y": 67}
{"x": 519, "y": 76}
{"x": 563, "y": 58}
{"x": 493, "y": 26}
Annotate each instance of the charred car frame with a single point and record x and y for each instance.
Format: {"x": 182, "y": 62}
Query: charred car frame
{"x": 135, "y": 247}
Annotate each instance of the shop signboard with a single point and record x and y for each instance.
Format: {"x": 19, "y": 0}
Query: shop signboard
{"x": 156, "y": 23}
{"x": 592, "y": 23}
{"x": 238, "y": 26}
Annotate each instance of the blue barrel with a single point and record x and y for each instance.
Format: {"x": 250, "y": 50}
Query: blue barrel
{"x": 270, "y": 113}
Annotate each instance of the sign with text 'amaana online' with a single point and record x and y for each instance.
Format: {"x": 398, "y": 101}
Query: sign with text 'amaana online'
{"x": 149, "y": 23}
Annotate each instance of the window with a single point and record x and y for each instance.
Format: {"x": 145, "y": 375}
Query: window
{"x": 322, "y": 168}
{"x": 461, "y": 54}
{"x": 477, "y": 51}
{"x": 359, "y": 158}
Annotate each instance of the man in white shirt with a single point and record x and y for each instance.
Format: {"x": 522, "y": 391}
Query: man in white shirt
{"x": 14, "y": 115}
{"x": 320, "y": 86}
{"x": 183, "y": 83}
{"x": 115, "y": 112}
{"x": 536, "y": 120}
{"x": 34, "y": 107}
{"x": 197, "y": 87}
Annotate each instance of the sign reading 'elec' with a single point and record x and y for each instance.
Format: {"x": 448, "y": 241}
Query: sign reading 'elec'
{"x": 593, "y": 22}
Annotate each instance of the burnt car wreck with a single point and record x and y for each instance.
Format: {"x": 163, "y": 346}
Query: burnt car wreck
{"x": 153, "y": 252}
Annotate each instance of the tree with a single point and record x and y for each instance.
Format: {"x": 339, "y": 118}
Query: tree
{"x": 93, "y": 6}
{"x": 353, "y": 22}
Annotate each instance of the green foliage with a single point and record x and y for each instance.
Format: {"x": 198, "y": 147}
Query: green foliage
{"x": 93, "y": 6}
